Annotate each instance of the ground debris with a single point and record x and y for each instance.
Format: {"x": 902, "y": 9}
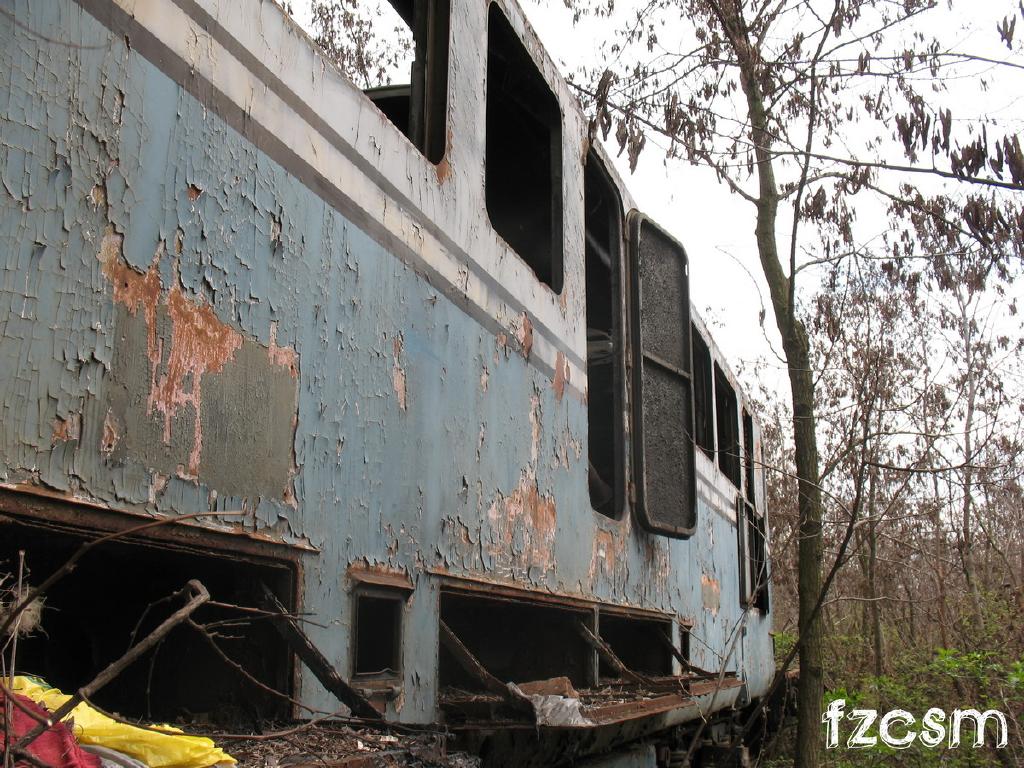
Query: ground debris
{"x": 331, "y": 745}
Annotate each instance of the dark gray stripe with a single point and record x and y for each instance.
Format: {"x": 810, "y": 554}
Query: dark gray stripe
{"x": 289, "y": 97}
{"x": 150, "y": 47}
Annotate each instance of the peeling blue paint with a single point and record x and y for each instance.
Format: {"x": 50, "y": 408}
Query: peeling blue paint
{"x": 97, "y": 138}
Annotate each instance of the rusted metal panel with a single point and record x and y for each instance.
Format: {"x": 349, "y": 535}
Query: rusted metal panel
{"x": 381, "y": 576}
{"x": 32, "y": 504}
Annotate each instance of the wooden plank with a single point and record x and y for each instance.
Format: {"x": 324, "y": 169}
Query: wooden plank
{"x": 606, "y": 653}
{"x": 694, "y": 670}
{"x": 316, "y": 661}
{"x": 470, "y": 663}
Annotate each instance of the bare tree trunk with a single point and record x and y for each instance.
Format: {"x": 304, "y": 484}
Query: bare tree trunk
{"x": 796, "y": 347}
{"x": 809, "y": 553}
{"x": 873, "y": 605}
{"x": 966, "y": 524}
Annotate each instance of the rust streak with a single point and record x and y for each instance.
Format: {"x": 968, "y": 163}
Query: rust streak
{"x": 562, "y": 374}
{"x": 525, "y": 335}
{"x": 66, "y": 429}
{"x": 443, "y": 170}
{"x": 535, "y": 427}
{"x": 200, "y": 344}
{"x": 398, "y": 379}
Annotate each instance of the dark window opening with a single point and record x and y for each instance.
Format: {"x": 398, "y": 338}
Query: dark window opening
{"x": 515, "y": 641}
{"x": 748, "y": 456}
{"x": 640, "y": 644}
{"x": 728, "y": 427}
{"x": 603, "y": 228}
{"x": 418, "y": 108}
{"x": 88, "y": 619}
{"x": 663, "y": 456}
{"x": 703, "y": 424}
{"x": 378, "y": 634}
{"x": 684, "y": 642}
{"x": 523, "y": 175}
{"x": 753, "y": 557}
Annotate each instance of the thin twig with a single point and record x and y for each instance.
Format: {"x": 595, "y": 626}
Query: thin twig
{"x": 335, "y": 717}
{"x": 201, "y": 629}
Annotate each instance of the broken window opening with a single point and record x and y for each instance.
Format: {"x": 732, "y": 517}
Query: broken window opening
{"x": 728, "y": 427}
{"x": 753, "y": 556}
{"x": 703, "y": 405}
{"x": 685, "y": 630}
{"x": 523, "y": 167}
{"x": 515, "y": 641}
{"x": 378, "y": 633}
{"x": 603, "y": 230}
{"x": 88, "y": 619}
{"x": 639, "y": 643}
{"x": 748, "y": 457}
{"x": 418, "y": 108}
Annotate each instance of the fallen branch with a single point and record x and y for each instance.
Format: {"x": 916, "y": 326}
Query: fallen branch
{"x": 472, "y": 665}
{"x": 202, "y": 630}
{"x": 693, "y": 669}
{"x": 606, "y": 653}
{"x": 316, "y": 661}
{"x": 199, "y": 595}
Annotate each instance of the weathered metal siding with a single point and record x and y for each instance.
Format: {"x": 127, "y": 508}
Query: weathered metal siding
{"x": 200, "y": 313}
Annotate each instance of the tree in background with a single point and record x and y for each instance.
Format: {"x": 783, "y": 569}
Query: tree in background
{"x": 812, "y": 112}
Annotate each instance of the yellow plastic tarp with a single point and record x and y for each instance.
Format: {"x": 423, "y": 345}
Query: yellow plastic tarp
{"x": 172, "y": 749}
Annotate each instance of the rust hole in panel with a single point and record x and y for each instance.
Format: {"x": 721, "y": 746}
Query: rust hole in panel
{"x": 65, "y": 429}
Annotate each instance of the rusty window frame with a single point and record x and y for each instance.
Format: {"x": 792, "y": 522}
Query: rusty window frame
{"x": 657, "y": 520}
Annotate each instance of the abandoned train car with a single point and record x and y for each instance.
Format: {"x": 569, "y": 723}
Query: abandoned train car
{"x": 409, "y": 357}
